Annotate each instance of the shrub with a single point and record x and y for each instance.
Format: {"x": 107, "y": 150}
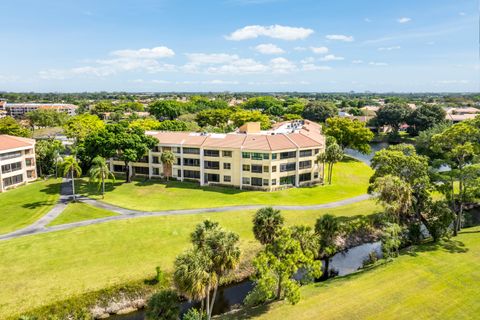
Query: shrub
{"x": 195, "y": 314}
{"x": 415, "y": 233}
{"x": 391, "y": 240}
{"x": 163, "y": 306}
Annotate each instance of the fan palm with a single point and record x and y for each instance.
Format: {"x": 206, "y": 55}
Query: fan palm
{"x": 99, "y": 172}
{"x": 70, "y": 167}
{"x": 168, "y": 159}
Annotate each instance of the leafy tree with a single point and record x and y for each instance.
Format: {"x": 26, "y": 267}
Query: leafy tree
{"x": 47, "y": 153}
{"x": 213, "y": 117}
{"x": 80, "y": 126}
{"x": 333, "y": 154}
{"x": 168, "y": 159}
{"x": 320, "y": 111}
{"x": 395, "y": 195}
{"x": 71, "y": 168}
{"x": 99, "y": 172}
{"x": 327, "y": 228}
{"x": 244, "y": 116}
{"x": 267, "y": 223}
{"x": 295, "y": 106}
{"x": 425, "y": 117}
{"x": 173, "y": 125}
{"x": 166, "y": 109}
{"x": 439, "y": 217}
{"x": 265, "y": 104}
{"x": 277, "y": 264}
{"x": 460, "y": 147}
{"x": 46, "y": 118}
{"x": 423, "y": 142}
{"x": 307, "y": 238}
{"x": 145, "y": 124}
{"x": 10, "y": 126}
{"x": 391, "y": 240}
{"x": 132, "y": 106}
{"x": 102, "y": 107}
{"x": 349, "y": 133}
{"x": 195, "y": 314}
{"x": 163, "y": 305}
{"x": 393, "y": 115}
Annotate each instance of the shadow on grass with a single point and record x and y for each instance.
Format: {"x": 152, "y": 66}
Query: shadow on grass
{"x": 448, "y": 245}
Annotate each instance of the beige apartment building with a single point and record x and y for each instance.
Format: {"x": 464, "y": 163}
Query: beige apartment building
{"x": 18, "y": 110}
{"x": 247, "y": 159}
{"x": 17, "y": 161}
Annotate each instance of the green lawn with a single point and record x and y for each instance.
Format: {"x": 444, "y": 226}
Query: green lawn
{"x": 432, "y": 282}
{"x": 24, "y": 205}
{"x": 40, "y": 269}
{"x": 350, "y": 179}
{"x": 78, "y": 212}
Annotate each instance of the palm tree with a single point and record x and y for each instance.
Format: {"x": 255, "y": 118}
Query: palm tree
{"x": 70, "y": 167}
{"x": 308, "y": 239}
{"x": 266, "y": 224}
{"x": 327, "y": 228}
{"x": 333, "y": 154}
{"x": 168, "y": 159}
{"x": 99, "y": 172}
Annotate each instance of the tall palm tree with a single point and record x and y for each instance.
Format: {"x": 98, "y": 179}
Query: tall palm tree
{"x": 333, "y": 154}
{"x": 168, "y": 159}
{"x": 71, "y": 168}
{"x": 267, "y": 222}
{"x": 327, "y": 228}
{"x": 99, "y": 172}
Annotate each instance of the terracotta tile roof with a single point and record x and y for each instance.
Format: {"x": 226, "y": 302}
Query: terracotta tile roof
{"x": 232, "y": 141}
{"x": 8, "y": 142}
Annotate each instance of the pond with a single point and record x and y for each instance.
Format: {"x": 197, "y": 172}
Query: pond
{"x": 375, "y": 146}
{"x": 231, "y": 296}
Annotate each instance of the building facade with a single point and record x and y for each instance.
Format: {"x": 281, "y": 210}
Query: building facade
{"x": 18, "y": 110}
{"x": 247, "y": 159}
{"x": 17, "y": 161}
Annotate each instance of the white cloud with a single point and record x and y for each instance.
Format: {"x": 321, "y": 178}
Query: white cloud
{"x": 299, "y": 48}
{"x": 404, "y": 20}
{"x": 339, "y": 37}
{"x": 313, "y": 67}
{"x": 269, "y": 48}
{"x": 239, "y": 66}
{"x": 153, "y": 53}
{"x": 220, "y": 82}
{"x": 453, "y": 81}
{"x": 378, "y": 64}
{"x": 308, "y": 60}
{"x": 211, "y": 58}
{"x": 319, "y": 50}
{"x": 160, "y": 81}
{"x": 388, "y": 48}
{"x": 331, "y": 57}
{"x": 273, "y": 31}
{"x": 282, "y": 65}
{"x": 357, "y": 61}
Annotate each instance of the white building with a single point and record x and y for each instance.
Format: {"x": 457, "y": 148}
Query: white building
{"x": 17, "y": 161}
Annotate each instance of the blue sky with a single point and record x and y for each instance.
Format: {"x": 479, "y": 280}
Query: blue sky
{"x": 239, "y": 45}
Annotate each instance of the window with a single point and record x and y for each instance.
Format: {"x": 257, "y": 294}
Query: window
{"x": 140, "y": 170}
{"x": 29, "y": 162}
{"x": 227, "y": 178}
{"x": 274, "y": 156}
{"x": 11, "y": 167}
{"x": 118, "y": 168}
{"x": 287, "y": 167}
{"x": 257, "y": 182}
{"x": 305, "y": 177}
{"x": 215, "y": 165}
{"x": 212, "y": 177}
{"x": 287, "y": 180}
{"x": 246, "y": 155}
{"x": 156, "y": 159}
{"x": 305, "y": 153}
{"x": 179, "y": 162}
{"x": 175, "y": 149}
{"x": 317, "y": 151}
{"x": 305, "y": 164}
{"x": 315, "y": 175}
{"x": 245, "y": 180}
{"x": 227, "y": 166}
{"x": 265, "y": 168}
{"x": 28, "y": 151}
{"x": 156, "y": 149}
{"x": 246, "y": 167}
{"x": 144, "y": 159}
{"x": 156, "y": 171}
{"x": 274, "y": 182}
{"x": 257, "y": 156}
{"x": 191, "y": 162}
{"x": 30, "y": 174}
{"x": 227, "y": 154}
{"x": 10, "y": 155}
{"x": 191, "y": 174}
{"x": 211, "y": 153}
{"x": 265, "y": 182}
{"x": 191, "y": 150}
{"x": 12, "y": 180}
{"x": 266, "y": 156}
{"x": 274, "y": 168}
{"x": 256, "y": 168}
{"x": 288, "y": 155}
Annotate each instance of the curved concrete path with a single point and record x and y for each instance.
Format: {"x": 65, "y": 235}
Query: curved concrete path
{"x": 123, "y": 213}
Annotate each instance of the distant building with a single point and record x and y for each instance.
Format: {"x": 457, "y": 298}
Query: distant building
{"x": 461, "y": 114}
{"x": 17, "y": 161}
{"x": 18, "y": 110}
{"x": 248, "y": 158}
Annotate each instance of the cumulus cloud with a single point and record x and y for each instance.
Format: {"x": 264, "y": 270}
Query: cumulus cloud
{"x": 282, "y": 65}
{"x": 313, "y": 67}
{"x": 404, "y": 20}
{"x": 331, "y": 57}
{"x": 339, "y": 37}
{"x": 357, "y": 61}
{"x": 388, "y": 48}
{"x": 269, "y": 48}
{"x": 299, "y": 48}
{"x": 211, "y": 58}
{"x": 319, "y": 50}
{"x": 378, "y": 64}
{"x": 153, "y": 53}
{"x": 273, "y": 31}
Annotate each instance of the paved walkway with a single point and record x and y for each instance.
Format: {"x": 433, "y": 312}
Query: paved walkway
{"x": 40, "y": 225}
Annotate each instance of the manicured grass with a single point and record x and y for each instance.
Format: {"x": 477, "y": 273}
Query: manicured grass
{"x": 350, "y": 179}
{"x": 78, "y": 212}
{"x": 40, "y": 269}
{"x": 24, "y": 205}
{"x": 431, "y": 282}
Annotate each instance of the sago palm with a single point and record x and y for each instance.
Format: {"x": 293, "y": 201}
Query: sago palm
{"x": 99, "y": 172}
{"x": 70, "y": 167}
